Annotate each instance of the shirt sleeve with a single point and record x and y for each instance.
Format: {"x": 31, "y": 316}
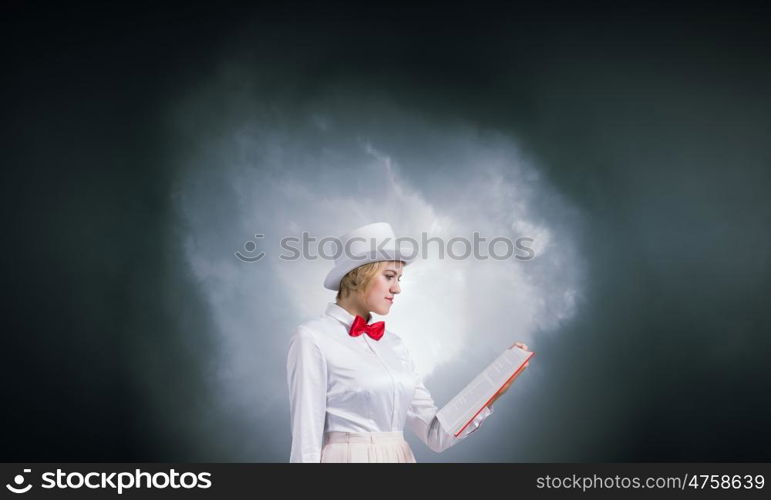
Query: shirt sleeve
{"x": 307, "y": 379}
{"x": 422, "y": 420}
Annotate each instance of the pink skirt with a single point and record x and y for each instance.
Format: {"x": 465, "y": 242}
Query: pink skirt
{"x": 366, "y": 447}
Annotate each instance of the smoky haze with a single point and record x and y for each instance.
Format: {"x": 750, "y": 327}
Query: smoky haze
{"x": 145, "y": 150}
{"x": 333, "y": 164}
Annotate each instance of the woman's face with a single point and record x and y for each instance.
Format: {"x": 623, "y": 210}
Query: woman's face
{"x": 384, "y": 287}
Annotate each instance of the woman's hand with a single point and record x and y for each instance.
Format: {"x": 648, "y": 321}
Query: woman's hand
{"x": 508, "y": 384}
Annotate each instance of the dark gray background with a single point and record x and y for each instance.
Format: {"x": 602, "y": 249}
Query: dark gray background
{"x": 652, "y": 120}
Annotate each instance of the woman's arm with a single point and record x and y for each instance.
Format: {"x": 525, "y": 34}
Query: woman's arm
{"x": 421, "y": 419}
{"x": 307, "y": 378}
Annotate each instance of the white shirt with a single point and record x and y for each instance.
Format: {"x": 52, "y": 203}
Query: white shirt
{"x": 356, "y": 384}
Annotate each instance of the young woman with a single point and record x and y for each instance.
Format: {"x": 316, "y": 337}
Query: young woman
{"x": 353, "y": 386}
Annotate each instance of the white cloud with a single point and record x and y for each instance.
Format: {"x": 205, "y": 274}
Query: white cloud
{"x": 326, "y": 175}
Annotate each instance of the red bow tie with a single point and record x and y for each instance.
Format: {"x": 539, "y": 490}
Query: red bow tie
{"x": 359, "y": 326}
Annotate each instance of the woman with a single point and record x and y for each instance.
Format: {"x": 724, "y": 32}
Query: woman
{"x": 353, "y": 386}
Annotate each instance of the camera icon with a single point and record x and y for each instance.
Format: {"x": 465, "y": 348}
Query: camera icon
{"x": 19, "y": 481}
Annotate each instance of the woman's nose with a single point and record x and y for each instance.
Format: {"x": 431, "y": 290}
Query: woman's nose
{"x": 396, "y": 288}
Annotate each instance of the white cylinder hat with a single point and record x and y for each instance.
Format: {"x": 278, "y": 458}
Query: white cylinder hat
{"x": 371, "y": 243}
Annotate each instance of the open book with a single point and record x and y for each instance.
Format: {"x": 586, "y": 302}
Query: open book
{"x": 461, "y": 410}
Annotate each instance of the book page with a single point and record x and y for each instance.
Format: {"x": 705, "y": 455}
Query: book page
{"x": 463, "y": 407}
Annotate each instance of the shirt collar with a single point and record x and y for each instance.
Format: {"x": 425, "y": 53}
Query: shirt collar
{"x": 340, "y": 314}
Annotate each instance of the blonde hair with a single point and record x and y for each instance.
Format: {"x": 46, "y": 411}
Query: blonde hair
{"x": 360, "y": 278}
